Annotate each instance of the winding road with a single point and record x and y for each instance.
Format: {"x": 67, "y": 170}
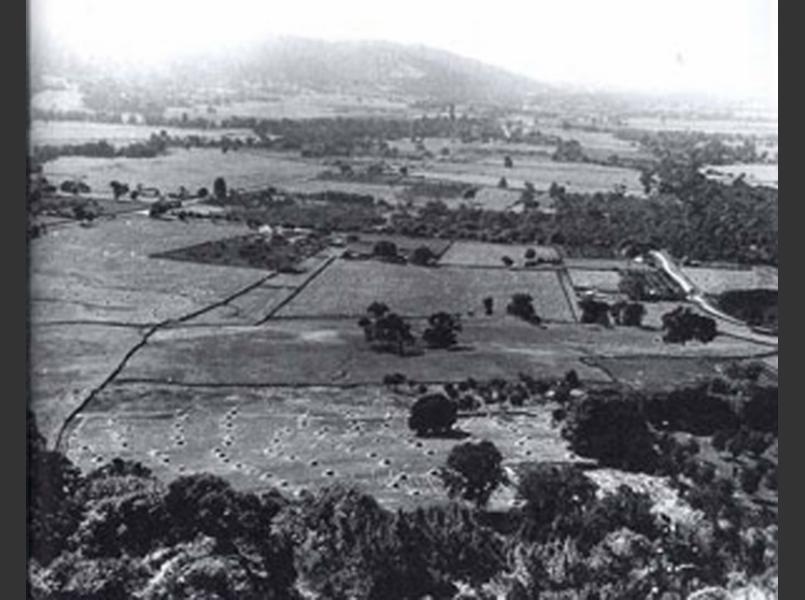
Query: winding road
{"x": 727, "y": 324}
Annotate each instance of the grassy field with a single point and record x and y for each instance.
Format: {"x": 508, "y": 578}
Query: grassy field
{"x": 300, "y": 106}
{"x": 716, "y": 281}
{"x": 334, "y": 351}
{"x": 191, "y": 168}
{"x": 758, "y": 175}
{"x": 576, "y": 177}
{"x": 482, "y": 254}
{"x": 602, "y": 280}
{"x": 117, "y": 134}
{"x": 598, "y": 144}
{"x": 295, "y": 439}
{"x": 346, "y": 288}
{"x": 726, "y": 126}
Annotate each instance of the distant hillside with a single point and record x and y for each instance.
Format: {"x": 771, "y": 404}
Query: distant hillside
{"x": 369, "y": 68}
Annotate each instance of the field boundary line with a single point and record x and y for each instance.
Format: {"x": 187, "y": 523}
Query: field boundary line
{"x": 284, "y": 302}
{"x": 143, "y": 341}
{"x": 564, "y": 282}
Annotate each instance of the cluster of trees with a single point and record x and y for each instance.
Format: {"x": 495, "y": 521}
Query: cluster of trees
{"x": 699, "y": 147}
{"x": 569, "y": 151}
{"x": 387, "y": 331}
{"x": 628, "y": 314}
{"x": 682, "y": 325}
{"x": 521, "y": 306}
{"x": 649, "y": 285}
{"x": 757, "y": 307}
{"x": 638, "y": 431}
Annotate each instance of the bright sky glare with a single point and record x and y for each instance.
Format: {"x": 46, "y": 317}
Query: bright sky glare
{"x": 719, "y": 47}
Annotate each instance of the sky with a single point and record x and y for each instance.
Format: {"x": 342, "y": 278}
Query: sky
{"x": 723, "y": 48}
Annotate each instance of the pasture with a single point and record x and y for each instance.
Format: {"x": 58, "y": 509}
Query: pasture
{"x": 346, "y": 288}
{"x": 725, "y": 126}
{"x": 717, "y": 280}
{"x": 754, "y": 174}
{"x": 576, "y": 177}
{"x": 481, "y": 254}
{"x": 194, "y": 168}
{"x": 294, "y": 439}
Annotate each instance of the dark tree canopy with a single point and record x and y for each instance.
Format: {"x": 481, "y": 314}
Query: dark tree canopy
{"x": 473, "y": 472}
{"x": 423, "y": 256}
{"x": 594, "y": 311}
{"x": 522, "y": 305}
{"x": 219, "y": 188}
{"x": 683, "y": 325}
{"x": 442, "y": 330}
{"x": 611, "y": 428}
{"x": 432, "y": 414}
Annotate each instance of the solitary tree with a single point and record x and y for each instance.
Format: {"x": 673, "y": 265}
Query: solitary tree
{"x": 385, "y": 249}
{"x": 507, "y": 261}
{"x": 507, "y": 162}
{"x": 219, "y": 188}
{"x": 442, "y": 330}
{"x": 423, "y": 256}
{"x": 503, "y": 184}
{"x": 118, "y": 189}
{"x": 488, "y": 305}
{"x": 530, "y": 253}
{"x": 432, "y": 414}
{"x": 473, "y": 472}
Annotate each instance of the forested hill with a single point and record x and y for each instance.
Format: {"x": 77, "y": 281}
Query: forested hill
{"x": 369, "y": 67}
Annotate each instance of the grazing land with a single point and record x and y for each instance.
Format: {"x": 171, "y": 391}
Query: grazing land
{"x": 346, "y": 288}
{"x": 193, "y": 169}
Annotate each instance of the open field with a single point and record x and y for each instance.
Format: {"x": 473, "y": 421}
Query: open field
{"x": 299, "y": 106}
{"x": 598, "y": 144}
{"x": 716, "y": 281}
{"x": 334, "y": 351}
{"x": 118, "y": 134}
{"x": 726, "y": 126}
{"x": 601, "y": 280}
{"x": 294, "y": 439}
{"x": 480, "y": 254}
{"x": 192, "y": 168}
{"x": 581, "y": 177}
{"x": 346, "y": 288}
{"x": 757, "y": 174}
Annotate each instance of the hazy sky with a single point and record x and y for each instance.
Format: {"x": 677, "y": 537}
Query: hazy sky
{"x": 721, "y": 47}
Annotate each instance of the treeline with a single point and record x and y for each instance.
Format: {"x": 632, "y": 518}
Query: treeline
{"x": 154, "y": 146}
